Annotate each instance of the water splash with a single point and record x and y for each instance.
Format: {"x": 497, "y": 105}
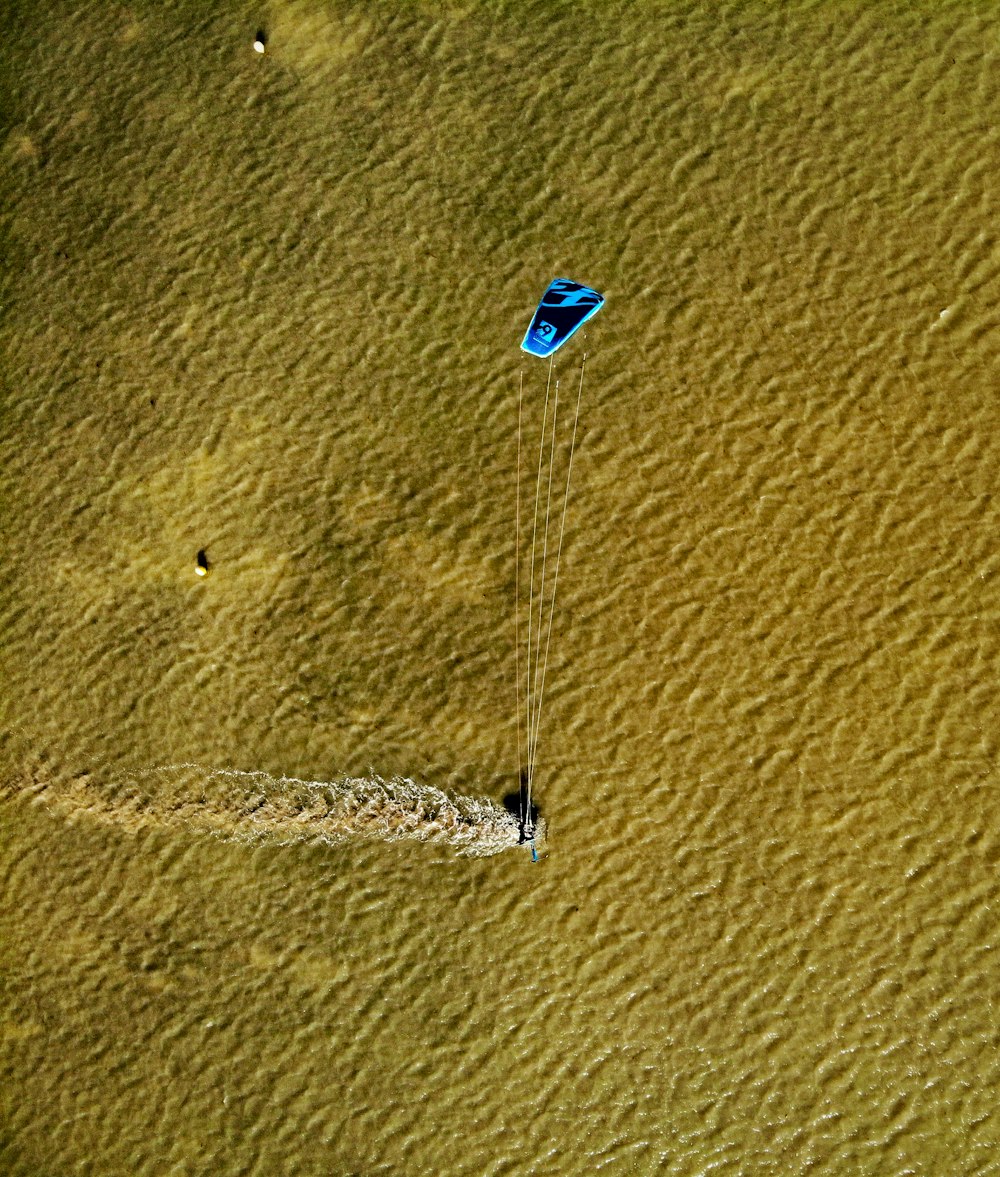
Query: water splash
{"x": 255, "y": 807}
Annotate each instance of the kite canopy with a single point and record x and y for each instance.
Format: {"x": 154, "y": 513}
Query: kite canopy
{"x": 564, "y": 308}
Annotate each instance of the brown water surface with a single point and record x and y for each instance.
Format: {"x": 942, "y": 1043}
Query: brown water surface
{"x": 269, "y": 307}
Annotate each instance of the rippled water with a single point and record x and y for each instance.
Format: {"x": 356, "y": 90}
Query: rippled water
{"x": 269, "y": 307}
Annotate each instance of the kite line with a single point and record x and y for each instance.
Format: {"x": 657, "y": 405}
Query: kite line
{"x": 542, "y": 580}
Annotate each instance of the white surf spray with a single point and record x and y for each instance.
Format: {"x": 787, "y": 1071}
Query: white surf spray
{"x": 256, "y": 807}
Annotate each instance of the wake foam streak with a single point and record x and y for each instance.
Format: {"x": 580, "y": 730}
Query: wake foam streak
{"x": 257, "y": 807}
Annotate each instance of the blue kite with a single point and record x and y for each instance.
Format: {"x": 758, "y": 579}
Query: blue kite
{"x": 564, "y": 309}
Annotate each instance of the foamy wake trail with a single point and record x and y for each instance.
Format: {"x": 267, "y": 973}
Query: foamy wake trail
{"x": 257, "y": 807}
